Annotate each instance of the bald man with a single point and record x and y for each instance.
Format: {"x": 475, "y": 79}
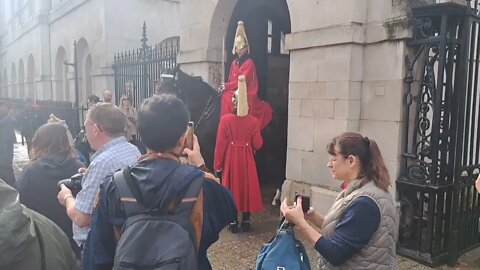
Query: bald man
{"x": 107, "y": 96}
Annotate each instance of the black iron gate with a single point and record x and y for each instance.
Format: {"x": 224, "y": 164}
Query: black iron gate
{"x": 439, "y": 204}
{"x": 136, "y": 71}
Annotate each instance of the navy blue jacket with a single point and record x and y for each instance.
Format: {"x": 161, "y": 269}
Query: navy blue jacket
{"x": 153, "y": 176}
{"x": 352, "y": 233}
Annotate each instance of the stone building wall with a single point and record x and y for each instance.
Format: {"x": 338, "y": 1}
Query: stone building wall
{"x": 42, "y": 32}
{"x": 347, "y": 71}
{"x": 346, "y": 74}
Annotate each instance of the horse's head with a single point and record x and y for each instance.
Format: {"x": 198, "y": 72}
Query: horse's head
{"x": 168, "y": 82}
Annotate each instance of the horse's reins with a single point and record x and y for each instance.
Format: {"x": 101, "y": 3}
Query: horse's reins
{"x": 209, "y": 108}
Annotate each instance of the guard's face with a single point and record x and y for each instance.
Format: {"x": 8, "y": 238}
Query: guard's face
{"x": 241, "y": 46}
{"x": 241, "y": 52}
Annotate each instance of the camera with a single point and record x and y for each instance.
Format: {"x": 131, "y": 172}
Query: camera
{"x": 74, "y": 183}
{"x": 305, "y": 202}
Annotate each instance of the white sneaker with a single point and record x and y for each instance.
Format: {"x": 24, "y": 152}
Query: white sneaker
{"x": 277, "y": 197}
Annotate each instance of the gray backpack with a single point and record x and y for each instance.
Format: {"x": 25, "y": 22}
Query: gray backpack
{"x": 155, "y": 240}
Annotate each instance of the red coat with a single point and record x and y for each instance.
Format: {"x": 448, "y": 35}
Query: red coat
{"x": 237, "y": 138}
{"x": 258, "y": 108}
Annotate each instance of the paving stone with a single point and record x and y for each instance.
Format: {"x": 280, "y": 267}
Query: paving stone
{"x": 239, "y": 251}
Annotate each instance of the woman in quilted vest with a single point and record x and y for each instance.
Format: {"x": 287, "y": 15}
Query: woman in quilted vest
{"x": 360, "y": 229}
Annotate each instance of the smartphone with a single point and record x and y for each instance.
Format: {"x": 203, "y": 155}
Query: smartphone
{"x": 189, "y": 137}
{"x": 305, "y": 202}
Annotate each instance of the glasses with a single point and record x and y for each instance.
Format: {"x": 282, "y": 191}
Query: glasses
{"x": 85, "y": 124}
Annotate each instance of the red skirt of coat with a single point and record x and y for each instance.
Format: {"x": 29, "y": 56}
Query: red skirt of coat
{"x": 237, "y": 138}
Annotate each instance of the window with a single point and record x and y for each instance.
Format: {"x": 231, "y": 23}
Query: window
{"x": 270, "y": 27}
{"x": 283, "y": 50}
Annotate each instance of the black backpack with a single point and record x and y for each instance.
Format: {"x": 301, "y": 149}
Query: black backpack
{"x": 155, "y": 240}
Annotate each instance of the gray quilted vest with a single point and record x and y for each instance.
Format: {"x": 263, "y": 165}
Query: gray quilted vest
{"x": 380, "y": 252}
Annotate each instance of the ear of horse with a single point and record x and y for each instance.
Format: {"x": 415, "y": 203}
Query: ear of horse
{"x": 176, "y": 72}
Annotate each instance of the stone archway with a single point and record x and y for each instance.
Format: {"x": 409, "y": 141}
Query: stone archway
{"x": 61, "y": 89}
{"x": 13, "y": 82}
{"x": 5, "y": 84}
{"x": 84, "y": 70}
{"x": 267, "y": 22}
{"x": 21, "y": 80}
{"x": 88, "y": 75}
{"x": 206, "y": 45}
{"x": 31, "y": 92}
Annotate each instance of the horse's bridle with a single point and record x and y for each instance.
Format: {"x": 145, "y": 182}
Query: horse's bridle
{"x": 170, "y": 76}
{"x": 209, "y": 107}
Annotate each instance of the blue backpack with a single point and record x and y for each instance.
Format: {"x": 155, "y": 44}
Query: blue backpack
{"x": 156, "y": 239}
{"x": 283, "y": 251}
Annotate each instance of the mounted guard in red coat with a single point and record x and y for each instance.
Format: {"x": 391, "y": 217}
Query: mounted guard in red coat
{"x": 244, "y": 65}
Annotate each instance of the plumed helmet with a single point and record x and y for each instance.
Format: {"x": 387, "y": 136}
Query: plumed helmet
{"x": 241, "y": 40}
{"x": 241, "y": 93}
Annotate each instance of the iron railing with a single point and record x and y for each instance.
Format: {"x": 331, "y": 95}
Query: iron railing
{"x": 441, "y": 159}
{"x": 137, "y": 71}
{"x": 62, "y": 109}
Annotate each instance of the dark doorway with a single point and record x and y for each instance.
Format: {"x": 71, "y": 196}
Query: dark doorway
{"x": 266, "y": 23}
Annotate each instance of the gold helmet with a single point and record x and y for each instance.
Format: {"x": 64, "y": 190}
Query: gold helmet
{"x": 241, "y": 97}
{"x": 241, "y": 40}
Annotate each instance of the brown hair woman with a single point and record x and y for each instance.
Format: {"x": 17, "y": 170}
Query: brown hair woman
{"x": 52, "y": 160}
{"x": 359, "y": 231}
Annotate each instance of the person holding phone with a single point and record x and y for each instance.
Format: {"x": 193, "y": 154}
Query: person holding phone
{"x": 359, "y": 231}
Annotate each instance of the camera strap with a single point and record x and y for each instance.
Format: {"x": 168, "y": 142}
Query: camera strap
{"x": 128, "y": 192}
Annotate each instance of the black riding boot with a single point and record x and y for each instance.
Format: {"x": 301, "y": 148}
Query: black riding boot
{"x": 246, "y": 221}
{"x": 233, "y": 227}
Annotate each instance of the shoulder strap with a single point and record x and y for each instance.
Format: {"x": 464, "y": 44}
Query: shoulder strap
{"x": 191, "y": 195}
{"x": 42, "y": 247}
{"x": 125, "y": 186}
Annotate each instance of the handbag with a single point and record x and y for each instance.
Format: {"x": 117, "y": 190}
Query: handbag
{"x": 283, "y": 251}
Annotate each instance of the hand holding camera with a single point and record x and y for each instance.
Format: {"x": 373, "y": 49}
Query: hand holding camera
{"x": 69, "y": 187}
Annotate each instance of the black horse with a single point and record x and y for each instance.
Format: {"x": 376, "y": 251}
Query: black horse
{"x": 202, "y": 101}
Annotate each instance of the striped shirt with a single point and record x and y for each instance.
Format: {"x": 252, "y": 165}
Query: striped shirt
{"x": 114, "y": 155}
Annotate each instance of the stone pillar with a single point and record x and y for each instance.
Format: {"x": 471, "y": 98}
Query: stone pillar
{"x": 346, "y": 74}
{"x": 43, "y": 7}
{"x": 203, "y": 26}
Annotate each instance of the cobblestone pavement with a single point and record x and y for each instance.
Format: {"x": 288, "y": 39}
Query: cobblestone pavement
{"x": 20, "y": 155}
{"x": 239, "y": 251}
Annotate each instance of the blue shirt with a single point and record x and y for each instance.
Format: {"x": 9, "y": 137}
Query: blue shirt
{"x": 352, "y": 233}
{"x": 114, "y": 155}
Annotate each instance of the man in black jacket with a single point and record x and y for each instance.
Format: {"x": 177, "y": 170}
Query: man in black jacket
{"x": 7, "y": 139}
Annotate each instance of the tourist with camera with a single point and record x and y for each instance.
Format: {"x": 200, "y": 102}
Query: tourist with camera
{"x": 52, "y": 160}
{"x": 160, "y": 184}
{"x": 104, "y": 129}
